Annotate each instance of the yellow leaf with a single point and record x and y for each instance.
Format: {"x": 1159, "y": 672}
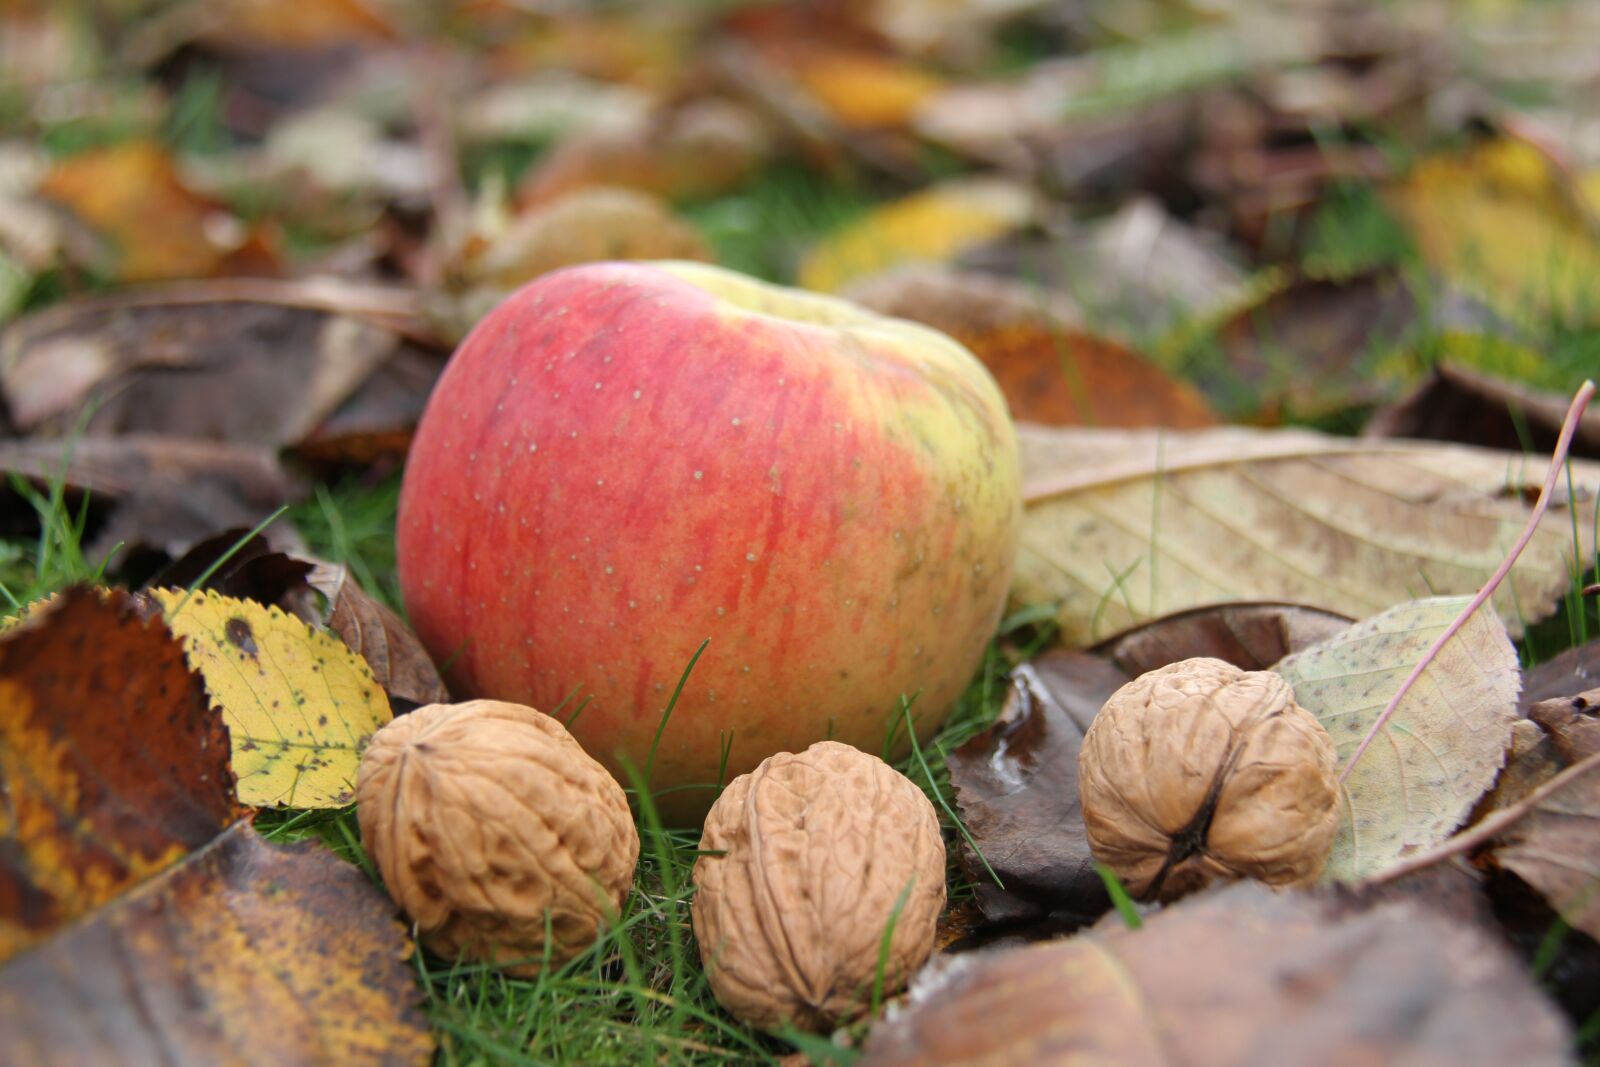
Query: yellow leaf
{"x": 935, "y": 225}
{"x": 865, "y": 91}
{"x": 1500, "y": 222}
{"x": 299, "y": 704}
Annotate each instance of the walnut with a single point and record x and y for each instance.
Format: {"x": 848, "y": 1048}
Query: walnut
{"x": 1200, "y": 770}
{"x": 811, "y": 853}
{"x": 487, "y": 820}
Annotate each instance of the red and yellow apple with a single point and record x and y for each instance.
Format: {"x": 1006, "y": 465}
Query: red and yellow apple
{"x": 625, "y": 459}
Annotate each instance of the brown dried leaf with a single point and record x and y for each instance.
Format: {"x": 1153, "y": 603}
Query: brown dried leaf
{"x": 139, "y": 925}
{"x": 246, "y": 954}
{"x": 1016, "y": 786}
{"x": 165, "y": 491}
{"x": 202, "y": 361}
{"x": 1051, "y": 370}
{"x": 396, "y": 656}
{"x": 1458, "y": 403}
{"x": 1250, "y": 636}
{"x": 1125, "y": 526}
{"x": 1237, "y": 977}
{"x": 1556, "y": 849}
{"x": 90, "y": 817}
{"x": 1577, "y": 670}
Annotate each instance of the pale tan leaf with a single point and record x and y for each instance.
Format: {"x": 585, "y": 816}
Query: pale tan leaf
{"x": 1126, "y": 526}
{"x": 1442, "y": 748}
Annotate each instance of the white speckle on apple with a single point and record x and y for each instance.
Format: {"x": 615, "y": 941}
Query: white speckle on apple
{"x": 472, "y": 564}
{"x": 574, "y": 433}
{"x": 637, "y": 393}
{"x": 533, "y": 446}
{"x": 698, "y": 475}
{"x": 560, "y": 312}
{"x": 780, "y": 381}
{"x": 501, "y": 507}
{"x": 610, "y": 569}
{"x": 747, "y": 668}
{"x": 721, "y": 610}
{"x": 917, "y": 651}
{"x": 597, "y": 385}
{"x": 750, "y": 557}
{"x": 736, "y": 422}
{"x": 633, "y": 603}
{"x": 599, "y": 481}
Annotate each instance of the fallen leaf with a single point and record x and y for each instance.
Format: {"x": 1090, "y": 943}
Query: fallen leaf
{"x": 88, "y": 816}
{"x": 1050, "y": 370}
{"x": 322, "y": 595}
{"x": 862, "y": 90}
{"x": 704, "y": 148}
{"x": 934, "y": 225}
{"x": 1445, "y": 743}
{"x": 261, "y": 24}
{"x": 1500, "y": 221}
{"x": 1458, "y": 403}
{"x": 1556, "y": 849}
{"x": 162, "y": 491}
{"x": 1125, "y": 526}
{"x": 398, "y": 661}
{"x": 1573, "y": 724}
{"x": 1138, "y": 270}
{"x": 246, "y": 953}
{"x": 299, "y": 704}
{"x": 198, "y": 361}
{"x": 1240, "y": 976}
{"x": 140, "y": 921}
{"x": 133, "y": 195}
{"x": 548, "y": 106}
{"x": 1252, "y": 637}
{"x": 1016, "y": 786}
{"x": 1577, "y": 670}
{"x": 582, "y": 227}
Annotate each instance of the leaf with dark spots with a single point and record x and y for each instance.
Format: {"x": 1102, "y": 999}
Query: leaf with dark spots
{"x": 1017, "y": 789}
{"x": 161, "y": 491}
{"x": 1240, "y": 976}
{"x": 1252, "y": 637}
{"x": 245, "y": 954}
{"x": 240, "y": 636}
{"x": 399, "y": 662}
{"x": 90, "y": 814}
{"x": 1458, "y": 403}
{"x": 141, "y": 920}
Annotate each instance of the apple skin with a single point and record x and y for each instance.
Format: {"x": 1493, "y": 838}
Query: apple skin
{"x": 625, "y": 459}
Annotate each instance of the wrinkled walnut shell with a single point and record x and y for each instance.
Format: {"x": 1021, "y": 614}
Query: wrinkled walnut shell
{"x": 817, "y": 849}
{"x": 1200, "y": 770}
{"x": 483, "y": 818}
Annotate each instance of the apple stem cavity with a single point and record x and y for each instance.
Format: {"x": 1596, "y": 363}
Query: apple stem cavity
{"x": 1569, "y": 426}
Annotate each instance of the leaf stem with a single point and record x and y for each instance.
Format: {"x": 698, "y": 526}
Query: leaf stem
{"x": 1488, "y": 829}
{"x": 1580, "y": 401}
